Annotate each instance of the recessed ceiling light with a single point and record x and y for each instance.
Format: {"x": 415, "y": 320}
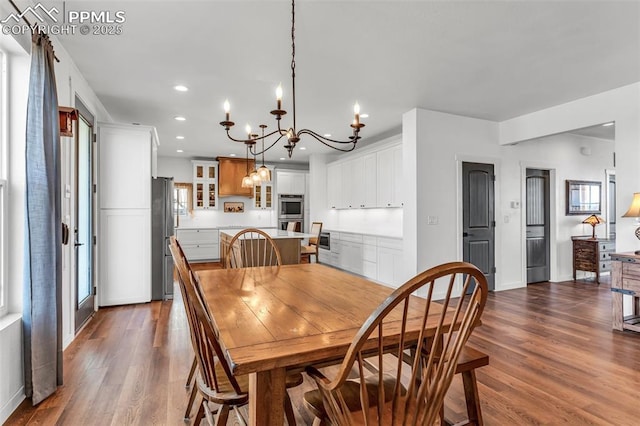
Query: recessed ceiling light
{"x": 364, "y": 115}
{"x": 327, "y": 135}
{"x": 281, "y": 158}
{"x": 232, "y": 155}
{"x": 179, "y": 150}
{"x": 181, "y": 88}
{"x": 179, "y": 118}
{"x": 302, "y": 148}
{"x": 607, "y": 124}
{"x": 180, "y": 137}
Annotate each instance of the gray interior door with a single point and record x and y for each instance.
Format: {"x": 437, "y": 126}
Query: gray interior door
{"x": 478, "y": 218}
{"x": 537, "y": 217}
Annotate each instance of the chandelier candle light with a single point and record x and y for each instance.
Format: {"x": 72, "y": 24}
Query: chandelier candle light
{"x": 292, "y": 133}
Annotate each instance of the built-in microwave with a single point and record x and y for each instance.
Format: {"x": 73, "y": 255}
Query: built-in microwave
{"x": 291, "y": 206}
{"x": 324, "y": 241}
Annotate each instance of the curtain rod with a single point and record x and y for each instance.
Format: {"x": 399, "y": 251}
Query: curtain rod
{"x": 28, "y": 23}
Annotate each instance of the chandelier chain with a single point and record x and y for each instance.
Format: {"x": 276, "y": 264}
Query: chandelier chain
{"x": 293, "y": 59}
{"x": 292, "y": 134}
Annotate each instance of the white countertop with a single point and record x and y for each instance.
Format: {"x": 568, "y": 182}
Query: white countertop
{"x": 189, "y": 228}
{"x": 232, "y": 227}
{"x": 272, "y": 232}
{"x": 379, "y": 234}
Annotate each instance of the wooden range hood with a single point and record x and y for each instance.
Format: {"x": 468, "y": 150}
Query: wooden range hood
{"x": 231, "y": 172}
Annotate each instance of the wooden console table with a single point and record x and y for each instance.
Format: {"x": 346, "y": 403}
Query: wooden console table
{"x": 625, "y": 279}
{"x": 592, "y": 255}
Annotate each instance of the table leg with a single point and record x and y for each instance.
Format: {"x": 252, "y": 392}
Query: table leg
{"x": 617, "y": 310}
{"x": 266, "y": 397}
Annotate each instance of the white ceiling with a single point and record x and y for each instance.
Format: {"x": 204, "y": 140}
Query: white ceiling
{"x": 487, "y": 59}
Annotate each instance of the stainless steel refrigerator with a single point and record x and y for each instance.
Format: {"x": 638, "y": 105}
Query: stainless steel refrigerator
{"x": 161, "y": 230}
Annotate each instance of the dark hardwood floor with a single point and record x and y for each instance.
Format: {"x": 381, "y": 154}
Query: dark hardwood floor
{"x": 553, "y": 360}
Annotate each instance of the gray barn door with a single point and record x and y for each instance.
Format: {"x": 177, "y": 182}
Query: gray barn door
{"x": 537, "y": 216}
{"x": 478, "y": 218}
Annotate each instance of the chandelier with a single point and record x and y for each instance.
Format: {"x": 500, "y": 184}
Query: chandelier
{"x": 292, "y": 134}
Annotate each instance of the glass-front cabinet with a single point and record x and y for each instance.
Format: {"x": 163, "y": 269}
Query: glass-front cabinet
{"x": 263, "y": 198}
{"x": 205, "y": 185}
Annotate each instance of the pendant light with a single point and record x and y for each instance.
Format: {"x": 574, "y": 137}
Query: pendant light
{"x": 263, "y": 171}
{"x": 247, "y": 182}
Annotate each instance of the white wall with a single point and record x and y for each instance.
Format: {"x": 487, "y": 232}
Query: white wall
{"x": 69, "y": 82}
{"x": 562, "y": 155}
{"x": 435, "y": 145}
{"x": 620, "y": 105}
{"x": 11, "y": 368}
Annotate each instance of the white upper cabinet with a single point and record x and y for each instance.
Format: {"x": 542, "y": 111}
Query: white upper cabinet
{"x": 334, "y": 186}
{"x": 205, "y": 185}
{"x": 371, "y": 180}
{"x": 352, "y": 178}
{"x": 290, "y": 182}
{"x": 263, "y": 196}
{"x": 125, "y": 159}
{"x": 389, "y": 176}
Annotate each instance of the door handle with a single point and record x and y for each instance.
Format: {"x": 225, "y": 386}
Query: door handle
{"x": 78, "y": 244}
{"x": 466, "y": 234}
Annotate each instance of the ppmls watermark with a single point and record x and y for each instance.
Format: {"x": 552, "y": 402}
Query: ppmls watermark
{"x": 65, "y": 22}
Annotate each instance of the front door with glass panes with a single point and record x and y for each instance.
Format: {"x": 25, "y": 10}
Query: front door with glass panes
{"x": 84, "y": 208}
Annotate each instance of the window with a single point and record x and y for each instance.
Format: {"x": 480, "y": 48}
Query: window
{"x": 182, "y": 201}
{"x": 3, "y": 185}
{"x": 3, "y": 246}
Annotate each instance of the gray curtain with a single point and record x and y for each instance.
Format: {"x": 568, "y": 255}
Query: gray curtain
{"x": 42, "y": 241}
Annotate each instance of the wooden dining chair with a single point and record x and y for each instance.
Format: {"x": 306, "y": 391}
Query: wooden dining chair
{"x": 215, "y": 380}
{"x": 182, "y": 266}
{"x": 252, "y": 247}
{"x": 291, "y": 226}
{"x": 312, "y": 248}
{"x": 404, "y": 393}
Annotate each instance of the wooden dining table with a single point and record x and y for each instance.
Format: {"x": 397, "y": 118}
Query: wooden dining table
{"x": 272, "y": 320}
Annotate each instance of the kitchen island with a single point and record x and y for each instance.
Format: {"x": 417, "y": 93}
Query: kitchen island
{"x": 288, "y": 243}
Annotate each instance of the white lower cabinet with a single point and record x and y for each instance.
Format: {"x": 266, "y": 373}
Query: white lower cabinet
{"x": 199, "y": 244}
{"x": 376, "y": 258}
{"x": 351, "y": 257}
{"x": 125, "y": 257}
{"x": 370, "y": 257}
{"x": 336, "y": 248}
{"x": 390, "y": 261}
{"x": 324, "y": 256}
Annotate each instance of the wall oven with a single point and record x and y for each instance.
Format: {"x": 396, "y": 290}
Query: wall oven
{"x": 291, "y": 207}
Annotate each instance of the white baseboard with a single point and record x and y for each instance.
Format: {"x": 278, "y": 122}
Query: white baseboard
{"x": 11, "y": 405}
{"x": 509, "y": 286}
